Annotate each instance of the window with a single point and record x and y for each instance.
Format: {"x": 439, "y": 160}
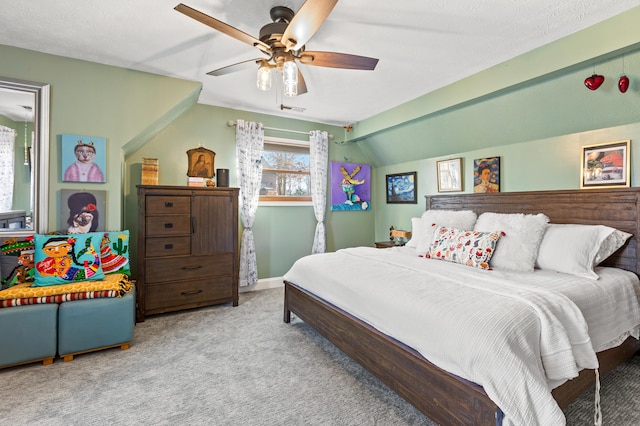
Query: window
{"x": 285, "y": 171}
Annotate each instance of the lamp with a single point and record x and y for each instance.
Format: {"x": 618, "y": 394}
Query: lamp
{"x": 290, "y": 78}
{"x": 400, "y": 237}
{"x": 264, "y": 76}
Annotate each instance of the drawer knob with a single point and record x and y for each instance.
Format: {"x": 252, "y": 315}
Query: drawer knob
{"x": 168, "y": 204}
{"x": 168, "y": 225}
{"x": 168, "y": 246}
{"x": 191, "y": 293}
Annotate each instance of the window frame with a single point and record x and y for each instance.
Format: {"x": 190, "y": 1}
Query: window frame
{"x": 286, "y": 200}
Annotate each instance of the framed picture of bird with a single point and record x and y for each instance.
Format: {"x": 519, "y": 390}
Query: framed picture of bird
{"x": 350, "y": 186}
{"x": 605, "y": 165}
{"x": 402, "y": 188}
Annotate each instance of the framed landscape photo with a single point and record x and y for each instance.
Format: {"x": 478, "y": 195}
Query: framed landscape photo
{"x": 402, "y": 188}
{"x": 605, "y": 165}
{"x": 449, "y": 175}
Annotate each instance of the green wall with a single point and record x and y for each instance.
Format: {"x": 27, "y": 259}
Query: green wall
{"x": 544, "y": 164}
{"x": 554, "y": 106}
{"x": 282, "y": 233}
{"x": 586, "y": 49}
{"x": 537, "y": 129}
{"x": 532, "y": 111}
{"x": 146, "y": 115}
{"x": 92, "y": 99}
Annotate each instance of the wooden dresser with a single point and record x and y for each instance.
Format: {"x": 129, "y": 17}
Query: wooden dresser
{"x": 187, "y": 248}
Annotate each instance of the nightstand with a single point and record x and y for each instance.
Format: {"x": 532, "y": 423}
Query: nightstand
{"x": 387, "y": 244}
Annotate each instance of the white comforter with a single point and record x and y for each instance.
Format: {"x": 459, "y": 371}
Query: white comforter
{"x": 516, "y": 334}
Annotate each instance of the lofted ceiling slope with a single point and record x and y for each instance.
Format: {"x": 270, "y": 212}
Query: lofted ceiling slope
{"x": 421, "y": 46}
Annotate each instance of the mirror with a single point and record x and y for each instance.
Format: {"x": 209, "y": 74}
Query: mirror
{"x": 24, "y": 167}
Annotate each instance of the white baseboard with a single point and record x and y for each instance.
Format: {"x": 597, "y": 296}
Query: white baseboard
{"x": 263, "y": 284}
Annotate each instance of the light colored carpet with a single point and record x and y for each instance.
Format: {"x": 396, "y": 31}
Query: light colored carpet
{"x": 236, "y": 366}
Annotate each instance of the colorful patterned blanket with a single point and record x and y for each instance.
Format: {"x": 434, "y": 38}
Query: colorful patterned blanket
{"x": 114, "y": 285}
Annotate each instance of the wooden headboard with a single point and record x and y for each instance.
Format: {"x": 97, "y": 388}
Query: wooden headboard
{"x": 617, "y": 208}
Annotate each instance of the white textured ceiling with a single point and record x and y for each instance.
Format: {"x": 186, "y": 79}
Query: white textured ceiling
{"x": 422, "y": 45}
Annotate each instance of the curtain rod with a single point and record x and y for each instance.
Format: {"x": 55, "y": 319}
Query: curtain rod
{"x": 232, "y": 123}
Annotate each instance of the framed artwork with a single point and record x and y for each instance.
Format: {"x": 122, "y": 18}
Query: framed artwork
{"x": 84, "y": 159}
{"x": 201, "y": 163}
{"x": 606, "y": 165}
{"x": 486, "y": 174}
{"x": 402, "y": 188}
{"x": 82, "y": 211}
{"x": 449, "y": 175}
{"x": 350, "y": 186}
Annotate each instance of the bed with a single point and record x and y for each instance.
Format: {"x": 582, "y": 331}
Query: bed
{"x": 445, "y": 397}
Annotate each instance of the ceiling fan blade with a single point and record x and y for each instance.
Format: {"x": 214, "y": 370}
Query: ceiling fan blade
{"x": 338, "y": 60}
{"x": 306, "y": 22}
{"x": 240, "y": 66}
{"x": 222, "y": 27}
{"x": 302, "y": 86}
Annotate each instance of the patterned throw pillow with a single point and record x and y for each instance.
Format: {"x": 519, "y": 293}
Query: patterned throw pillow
{"x": 471, "y": 248}
{"x": 114, "y": 252}
{"x": 16, "y": 257}
{"x": 64, "y": 259}
{"x": 431, "y": 219}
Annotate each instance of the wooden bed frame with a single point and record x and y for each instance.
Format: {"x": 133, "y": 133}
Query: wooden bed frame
{"x": 442, "y": 396}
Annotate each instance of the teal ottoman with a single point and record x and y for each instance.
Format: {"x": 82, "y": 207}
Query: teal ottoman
{"x": 91, "y": 325}
{"x": 28, "y": 334}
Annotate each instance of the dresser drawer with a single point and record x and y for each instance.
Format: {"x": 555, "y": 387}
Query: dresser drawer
{"x": 164, "y": 204}
{"x": 188, "y": 267}
{"x": 167, "y": 246}
{"x": 159, "y": 226}
{"x": 177, "y": 295}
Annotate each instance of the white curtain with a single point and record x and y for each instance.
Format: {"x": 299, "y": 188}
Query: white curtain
{"x": 318, "y": 158}
{"x": 7, "y": 154}
{"x": 249, "y": 148}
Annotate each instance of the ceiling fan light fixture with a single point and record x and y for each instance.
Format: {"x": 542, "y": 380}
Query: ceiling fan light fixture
{"x": 290, "y": 90}
{"x": 290, "y": 78}
{"x": 264, "y": 76}
{"x": 290, "y": 72}
{"x": 283, "y": 41}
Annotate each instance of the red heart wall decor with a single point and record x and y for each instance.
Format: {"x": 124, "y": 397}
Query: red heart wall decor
{"x": 594, "y": 81}
{"x": 623, "y": 84}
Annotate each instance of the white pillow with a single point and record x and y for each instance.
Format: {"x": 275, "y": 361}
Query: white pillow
{"x": 431, "y": 219}
{"x": 416, "y": 231}
{"x": 517, "y": 249}
{"x": 610, "y": 245}
{"x": 577, "y": 249}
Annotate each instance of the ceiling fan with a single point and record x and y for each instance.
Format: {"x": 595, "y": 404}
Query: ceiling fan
{"x": 283, "y": 43}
